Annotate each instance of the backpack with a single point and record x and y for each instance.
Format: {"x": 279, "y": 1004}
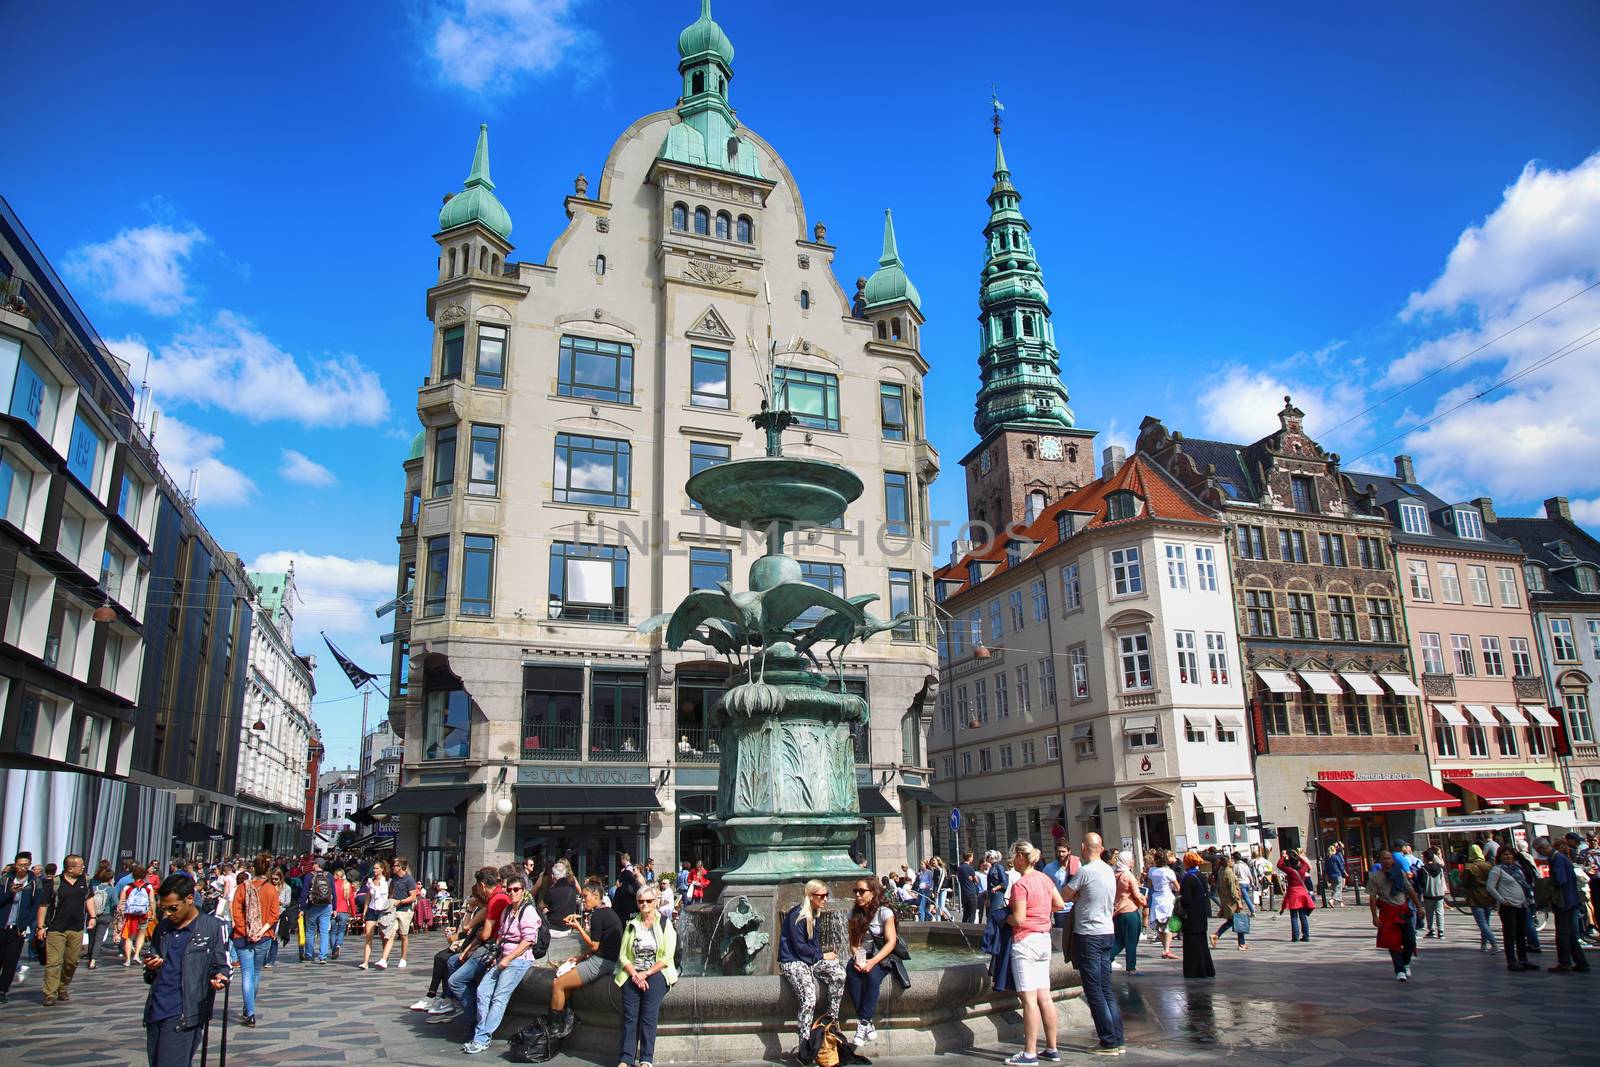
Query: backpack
{"x": 138, "y": 900}
{"x": 1546, "y": 897}
{"x": 321, "y": 891}
{"x": 534, "y": 1043}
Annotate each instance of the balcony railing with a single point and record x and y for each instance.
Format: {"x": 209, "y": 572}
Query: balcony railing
{"x": 547, "y": 741}
{"x": 698, "y": 744}
{"x": 1528, "y": 686}
{"x": 622, "y": 743}
{"x": 1438, "y": 685}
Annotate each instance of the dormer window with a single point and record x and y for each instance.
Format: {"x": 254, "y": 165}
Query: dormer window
{"x": 1035, "y": 505}
{"x": 1414, "y": 518}
{"x": 1304, "y": 492}
{"x": 1584, "y": 578}
{"x": 1013, "y": 554}
{"x": 1534, "y": 574}
{"x": 1468, "y": 524}
{"x": 1564, "y": 550}
{"x": 974, "y": 573}
{"x": 1121, "y": 505}
{"x": 1064, "y": 525}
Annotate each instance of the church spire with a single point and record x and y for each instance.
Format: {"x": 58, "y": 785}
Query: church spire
{"x": 889, "y": 282}
{"x": 476, "y": 201}
{"x": 1020, "y": 367}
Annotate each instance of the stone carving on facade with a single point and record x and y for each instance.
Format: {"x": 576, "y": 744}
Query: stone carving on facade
{"x": 713, "y": 274}
{"x": 805, "y": 261}
{"x": 711, "y": 325}
{"x": 453, "y": 314}
{"x": 742, "y": 940}
{"x": 580, "y": 185}
{"x": 602, "y": 223}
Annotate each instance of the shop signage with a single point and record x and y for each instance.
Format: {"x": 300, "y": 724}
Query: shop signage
{"x": 1361, "y": 776}
{"x": 1144, "y": 765}
{"x": 636, "y": 775}
{"x": 1109, "y": 807}
{"x": 1467, "y": 822}
{"x": 1468, "y": 772}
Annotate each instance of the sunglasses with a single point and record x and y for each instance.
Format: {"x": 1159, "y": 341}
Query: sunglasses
{"x": 860, "y": 889}
{"x": 646, "y": 900}
{"x": 169, "y": 909}
{"x": 513, "y": 889}
{"x": 823, "y": 896}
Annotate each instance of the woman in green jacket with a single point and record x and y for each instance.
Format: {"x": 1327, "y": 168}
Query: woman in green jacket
{"x": 645, "y": 971}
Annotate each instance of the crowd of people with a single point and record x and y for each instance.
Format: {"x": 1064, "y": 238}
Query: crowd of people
{"x": 192, "y": 927}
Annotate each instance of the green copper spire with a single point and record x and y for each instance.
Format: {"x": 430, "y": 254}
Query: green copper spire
{"x": 889, "y": 282}
{"x": 476, "y": 202}
{"x": 705, "y": 137}
{"x": 1018, "y": 361}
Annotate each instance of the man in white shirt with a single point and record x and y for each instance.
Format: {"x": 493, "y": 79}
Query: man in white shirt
{"x": 1093, "y": 892}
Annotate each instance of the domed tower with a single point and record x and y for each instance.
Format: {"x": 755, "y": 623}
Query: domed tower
{"x": 890, "y": 302}
{"x": 1030, "y": 450}
{"x": 474, "y": 227}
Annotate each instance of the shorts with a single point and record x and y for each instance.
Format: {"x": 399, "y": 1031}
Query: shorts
{"x": 1030, "y": 962}
{"x": 595, "y": 967}
{"x": 131, "y": 925}
{"x": 402, "y": 918}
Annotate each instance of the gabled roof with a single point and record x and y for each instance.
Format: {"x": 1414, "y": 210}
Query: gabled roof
{"x": 1387, "y": 492}
{"x": 1539, "y": 539}
{"x": 1163, "y": 497}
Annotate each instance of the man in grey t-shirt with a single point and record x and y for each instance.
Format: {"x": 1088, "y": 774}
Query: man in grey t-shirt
{"x": 1093, "y": 891}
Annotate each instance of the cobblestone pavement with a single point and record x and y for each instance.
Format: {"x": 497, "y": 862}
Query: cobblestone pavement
{"x": 1328, "y": 1003}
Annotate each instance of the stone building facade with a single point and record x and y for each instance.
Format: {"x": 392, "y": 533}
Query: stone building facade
{"x": 1335, "y": 718}
{"x": 567, "y": 402}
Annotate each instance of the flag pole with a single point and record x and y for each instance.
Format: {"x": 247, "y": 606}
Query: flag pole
{"x": 361, "y": 746}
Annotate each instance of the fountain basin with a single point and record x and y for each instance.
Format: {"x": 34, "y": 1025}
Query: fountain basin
{"x": 775, "y": 489}
{"x": 715, "y": 1019}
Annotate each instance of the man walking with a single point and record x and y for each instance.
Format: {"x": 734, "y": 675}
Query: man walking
{"x": 1568, "y": 906}
{"x": 65, "y": 913}
{"x": 404, "y": 892}
{"x": 1092, "y": 891}
{"x": 18, "y": 906}
{"x": 1391, "y": 898}
{"x": 318, "y": 910}
{"x": 1335, "y": 872}
{"x": 256, "y": 905}
{"x": 185, "y": 965}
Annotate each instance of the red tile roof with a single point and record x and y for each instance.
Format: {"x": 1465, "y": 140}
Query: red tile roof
{"x": 1163, "y": 498}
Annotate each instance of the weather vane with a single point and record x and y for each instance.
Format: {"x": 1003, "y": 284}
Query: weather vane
{"x": 994, "y": 100}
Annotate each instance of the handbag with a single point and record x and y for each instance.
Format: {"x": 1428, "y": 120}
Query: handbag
{"x": 1069, "y": 942}
{"x": 1241, "y": 922}
{"x": 1175, "y": 925}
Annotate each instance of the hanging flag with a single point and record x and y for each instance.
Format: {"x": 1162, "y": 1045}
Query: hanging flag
{"x": 357, "y": 676}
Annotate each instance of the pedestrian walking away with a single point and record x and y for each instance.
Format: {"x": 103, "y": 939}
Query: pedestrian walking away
{"x": 256, "y": 908}
{"x": 317, "y": 911}
{"x": 185, "y": 964}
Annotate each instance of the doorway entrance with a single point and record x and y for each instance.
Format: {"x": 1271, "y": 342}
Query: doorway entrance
{"x": 1155, "y": 831}
{"x": 591, "y": 843}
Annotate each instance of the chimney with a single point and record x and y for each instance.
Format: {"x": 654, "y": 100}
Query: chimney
{"x": 1486, "y": 505}
{"x": 1404, "y": 470}
{"x": 1112, "y": 459}
{"x": 1557, "y": 508}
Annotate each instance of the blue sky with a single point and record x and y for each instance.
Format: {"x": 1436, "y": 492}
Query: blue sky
{"x": 1228, "y": 203}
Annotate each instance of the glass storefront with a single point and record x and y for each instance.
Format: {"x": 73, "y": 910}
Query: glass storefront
{"x": 591, "y": 843}
{"x": 441, "y": 855}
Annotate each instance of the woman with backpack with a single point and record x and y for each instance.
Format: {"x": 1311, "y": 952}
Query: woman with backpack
{"x": 133, "y": 914}
{"x": 104, "y": 903}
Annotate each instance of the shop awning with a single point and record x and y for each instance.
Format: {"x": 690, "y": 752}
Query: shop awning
{"x": 195, "y": 832}
{"x": 1512, "y": 789}
{"x": 1083, "y": 730}
{"x": 1279, "y": 681}
{"x": 1450, "y": 714}
{"x": 1135, "y": 723}
{"x": 1230, "y": 720}
{"x": 1512, "y": 714}
{"x": 1210, "y": 799}
{"x": 874, "y": 805}
{"x": 377, "y": 841}
{"x": 1088, "y": 807}
{"x": 1243, "y": 800}
{"x": 1539, "y": 714}
{"x": 1567, "y": 820}
{"x": 1364, "y": 684}
{"x": 1390, "y": 794}
{"x": 922, "y": 793}
{"x": 1322, "y": 682}
{"x": 1400, "y": 685}
{"x": 1475, "y": 826}
{"x": 426, "y": 799}
{"x": 1480, "y": 714}
{"x": 586, "y": 799}
{"x": 1197, "y": 720}
{"x": 363, "y": 816}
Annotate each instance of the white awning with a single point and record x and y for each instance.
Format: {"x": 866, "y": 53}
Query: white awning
{"x": 1480, "y": 714}
{"x": 1567, "y": 820}
{"x": 1242, "y": 799}
{"x": 1476, "y": 826}
{"x": 1364, "y": 684}
{"x": 1400, "y": 685}
{"x": 1322, "y": 682}
{"x": 1230, "y": 720}
{"x": 1512, "y": 714}
{"x": 1449, "y": 714}
{"x": 1081, "y": 731}
{"x": 1197, "y": 720}
{"x": 1088, "y": 807}
{"x": 1135, "y": 723}
{"x": 1539, "y": 715}
{"x": 1210, "y": 799}
{"x": 1279, "y": 681}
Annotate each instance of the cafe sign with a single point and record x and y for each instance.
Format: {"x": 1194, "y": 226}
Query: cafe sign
{"x": 589, "y": 775}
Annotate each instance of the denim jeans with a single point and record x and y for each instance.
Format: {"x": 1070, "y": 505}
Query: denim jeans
{"x": 252, "y": 955}
{"x": 1485, "y": 932}
{"x": 1433, "y": 908}
{"x": 1094, "y": 953}
{"x": 319, "y": 920}
{"x": 1299, "y": 924}
{"x": 923, "y": 901}
{"x": 167, "y": 1046}
{"x": 1529, "y": 918}
{"x": 336, "y": 929}
{"x": 641, "y": 1008}
{"x": 494, "y": 993}
{"x": 461, "y": 984}
{"x": 863, "y": 988}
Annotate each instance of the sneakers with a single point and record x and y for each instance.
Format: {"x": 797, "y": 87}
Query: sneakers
{"x": 1118, "y": 965}
{"x": 472, "y": 1048}
{"x": 247, "y": 1020}
{"x": 1022, "y": 1059}
{"x": 1401, "y": 976}
{"x": 402, "y": 963}
{"x": 1050, "y": 1055}
{"x": 860, "y": 1037}
{"x": 382, "y": 965}
{"x": 1109, "y": 1050}
{"x": 442, "y": 1017}
{"x": 441, "y": 1005}
{"x": 424, "y": 1004}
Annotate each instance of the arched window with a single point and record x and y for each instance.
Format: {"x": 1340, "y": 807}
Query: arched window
{"x": 894, "y": 328}
{"x": 883, "y": 331}
{"x": 483, "y": 259}
{"x": 746, "y": 231}
{"x": 805, "y": 299}
{"x": 698, "y": 83}
{"x": 452, "y": 263}
{"x": 722, "y": 86}
{"x": 702, "y": 221}
{"x": 494, "y": 264}
{"x": 1027, "y": 325}
{"x": 724, "y": 225}
{"x": 1036, "y": 501}
{"x": 680, "y": 216}
{"x": 1008, "y": 329}
{"x": 599, "y": 264}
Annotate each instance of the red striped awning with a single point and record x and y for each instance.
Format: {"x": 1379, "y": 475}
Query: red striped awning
{"x": 1390, "y": 794}
{"x": 1512, "y": 789}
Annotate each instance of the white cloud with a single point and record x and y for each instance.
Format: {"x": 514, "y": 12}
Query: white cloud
{"x": 228, "y": 364}
{"x": 143, "y": 267}
{"x": 1242, "y": 404}
{"x": 333, "y": 580}
{"x": 299, "y": 467}
{"x": 183, "y": 448}
{"x": 1587, "y": 512}
{"x": 490, "y": 46}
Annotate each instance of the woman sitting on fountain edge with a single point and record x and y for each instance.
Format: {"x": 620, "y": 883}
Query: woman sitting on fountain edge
{"x": 872, "y": 940}
{"x": 802, "y": 961}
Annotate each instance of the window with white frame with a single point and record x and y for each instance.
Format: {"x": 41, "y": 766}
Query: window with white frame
{"x": 1177, "y": 568}
{"x": 1432, "y": 653}
{"x": 1417, "y": 574}
{"x": 1534, "y": 575}
{"x": 975, "y": 622}
{"x": 1332, "y": 546}
{"x": 1380, "y": 614}
{"x": 1477, "y": 742}
{"x": 1015, "y": 600}
{"x": 997, "y": 628}
{"x": 1135, "y": 653}
{"x": 1047, "y": 681}
{"x": 1052, "y": 748}
{"x": 1079, "y": 658}
{"x": 1205, "y": 568}
{"x": 1478, "y": 585}
{"x": 1414, "y": 518}
{"x": 1494, "y": 665}
{"x": 1461, "y": 655}
{"x": 1449, "y": 584}
{"x": 1469, "y": 524}
{"x": 949, "y": 766}
{"x": 1029, "y": 754}
{"x": 1143, "y": 737}
{"x": 1505, "y": 738}
{"x": 966, "y": 763}
{"x": 1007, "y": 758}
{"x": 1193, "y": 732}
{"x": 947, "y": 715}
{"x": 1537, "y": 745}
{"x": 1071, "y": 591}
{"x": 1188, "y": 657}
{"x": 1024, "y": 690}
{"x": 1507, "y": 578}
{"x": 1563, "y": 647}
{"x": 1594, "y": 637}
{"x": 1127, "y": 578}
{"x": 1002, "y": 696}
{"x": 1444, "y": 740}
{"x": 1580, "y": 729}
{"x": 1217, "y": 657}
{"x": 1041, "y": 599}
{"x": 1521, "y": 657}
{"x": 964, "y": 707}
{"x": 1083, "y": 746}
{"x": 980, "y": 699}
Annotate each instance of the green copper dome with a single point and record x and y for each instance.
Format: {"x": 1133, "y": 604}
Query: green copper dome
{"x": 476, "y": 201}
{"x": 889, "y": 282}
{"x": 418, "y": 443}
{"x": 704, "y": 35}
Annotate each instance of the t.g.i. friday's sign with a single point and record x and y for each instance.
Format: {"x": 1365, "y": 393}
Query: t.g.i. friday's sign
{"x": 633, "y": 775}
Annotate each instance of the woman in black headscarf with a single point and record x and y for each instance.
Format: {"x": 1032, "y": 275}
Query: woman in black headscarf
{"x": 1194, "y": 905}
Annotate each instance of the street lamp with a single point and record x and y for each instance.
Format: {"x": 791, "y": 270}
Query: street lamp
{"x": 1314, "y": 831}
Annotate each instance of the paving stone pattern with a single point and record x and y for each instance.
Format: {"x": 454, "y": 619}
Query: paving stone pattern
{"x": 1330, "y": 1003}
